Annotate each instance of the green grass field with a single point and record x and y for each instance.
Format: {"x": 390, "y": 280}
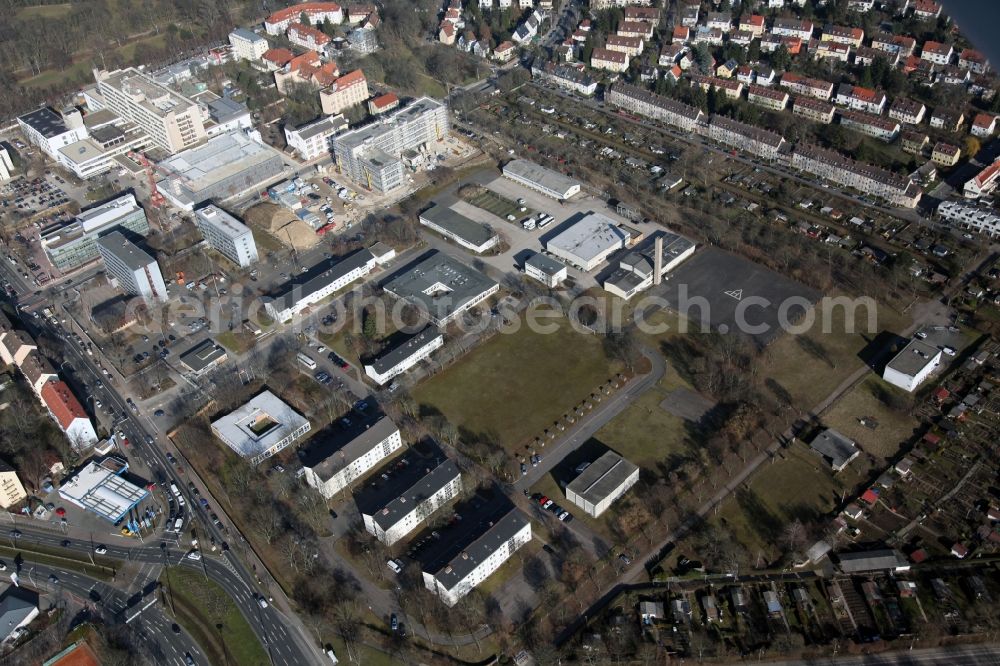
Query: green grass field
{"x": 645, "y": 433}
{"x": 517, "y": 385}
{"x": 44, "y": 11}
{"x": 893, "y": 429}
{"x": 200, "y": 605}
{"x": 811, "y": 365}
{"x": 500, "y": 206}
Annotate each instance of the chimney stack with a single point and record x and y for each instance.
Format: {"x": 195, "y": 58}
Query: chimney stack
{"x": 658, "y": 259}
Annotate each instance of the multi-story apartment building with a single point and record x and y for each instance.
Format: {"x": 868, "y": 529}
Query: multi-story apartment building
{"x": 983, "y": 183}
{"x": 874, "y": 126}
{"x": 606, "y": 59}
{"x": 398, "y": 360}
{"x": 315, "y": 139}
{"x": 454, "y": 578}
{"x": 172, "y": 122}
{"x": 647, "y": 14}
{"x": 308, "y": 37}
{"x": 802, "y": 85}
{"x": 863, "y": 177}
{"x": 983, "y": 125}
{"x": 297, "y": 297}
{"x": 784, "y": 27}
{"x": 306, "y": 69}
{"x": 11, "y": 488}
{"x": 565, "y": 76}
{"x": 372, "y": 155}
{"x": 815, "y": 110}
{"x": 769, "y": 98}
{"x": 843, "y": 35}
{"x": 754, "y": 24}
{"x": 914, "y": 143}
{"x": 630, "y": 46}
{"x": 907, "y": 111}
{"x": 834, "y": 50}
{"x": 247, "y": 44}
{"x": 316, "y": 12}
{"x": 945, "y": 154}
{"x": 225, "y": 233}
{"x": 597, "y": 5}
{"x": 732, "y": 89}
{"x": 645, "y": 103}
{"x": 640, "y": 29}
{"x": 397, "y": 506}
{"x": 745, "y": 137}
{"x": 861, "y": 99}
{"x": 924, "y": 9}
{"x": 864, "y": 56}
{"x": 135, "y": 271}
{"x": 336, "y": 458}
{"x": 74, "y": 244}
{"x": 947, "y": 120}
{"x": 719, "y": 21}
{"x": 936, "y": 52}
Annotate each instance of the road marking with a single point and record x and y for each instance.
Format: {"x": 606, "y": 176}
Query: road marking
{"x": 735, "y": 293}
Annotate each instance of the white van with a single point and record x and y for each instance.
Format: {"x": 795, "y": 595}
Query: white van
{"x": 175, "y": 490}
{"x": 178, "y": 524}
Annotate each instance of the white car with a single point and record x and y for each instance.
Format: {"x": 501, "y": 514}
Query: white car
{"x": 100, "y": 550}
{"x": 262, "y": 602}
{"x": 194, "y": 555}
{"x": 921, "y": 335}
{"x": 949, "y": 351}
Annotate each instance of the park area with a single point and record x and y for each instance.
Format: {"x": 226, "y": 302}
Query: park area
{"x": 518, "y": 384}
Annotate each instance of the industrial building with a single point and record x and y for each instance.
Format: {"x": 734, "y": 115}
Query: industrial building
{"x": 468, "y": 233}
{"x": 336, "y": 458}
{"x": 99, "y": 487}
{"x": 912, "y": 365}
{"x": 74, "y": 244}
{"x": 442, "y": 286}
{"x": 639, "y": 270}
{"x": 225, "y": 166}
{"x": 225, "y": 233}
{"x": 298, "y": 297}
{"x": 469, "y": 564}
{"x": 393, "y": 507}
{"x": 170, "y": 120}
{"x": 260, "y": 428}
{"x": 374, "y": 155}
{"x": 536, "y": 177}
{"x": 601, "y": 483}
{"x": 404, "y": 356}
{"x": 135, "y": 271}
{"x": 588, "y": 242}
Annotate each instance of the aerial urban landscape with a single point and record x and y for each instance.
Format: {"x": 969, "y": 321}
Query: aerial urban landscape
{"x": 524, "y": 332}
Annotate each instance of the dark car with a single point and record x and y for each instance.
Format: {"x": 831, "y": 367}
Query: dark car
{"x": 394, "y": 622}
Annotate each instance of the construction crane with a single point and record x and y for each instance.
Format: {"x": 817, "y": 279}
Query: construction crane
{"x": 155, "y": 198}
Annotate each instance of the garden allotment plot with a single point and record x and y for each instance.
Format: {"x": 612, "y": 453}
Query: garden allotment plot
{"x": 730, "y": 286}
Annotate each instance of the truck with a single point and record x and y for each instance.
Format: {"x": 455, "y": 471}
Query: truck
{"x": 528, "y": 224}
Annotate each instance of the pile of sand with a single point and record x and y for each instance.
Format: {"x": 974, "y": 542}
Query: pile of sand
{"x": 281, "y": 223}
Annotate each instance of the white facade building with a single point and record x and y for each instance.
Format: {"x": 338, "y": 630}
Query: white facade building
{"x": 6, "y": 165}
{"x": 405, "y": 356}
{"x": 541, "y": 179}
{"x": 315, "y": 139}
{"x": 247, "y": 44}
{"x": 336, "y": 459}
{"x": 601, "y": 483}
{"x": 49, "y": 131}
{"x": 548, "y": 271}
{"x": 397, "y": 512}
{"x": 971, "y": 217}
{"x": 298, "y": 297}
{"x": 225, "y": 233}
{"x": 260, "y": 428}
{"x": 135, "y": 271}
{"x": 912, "y": 365}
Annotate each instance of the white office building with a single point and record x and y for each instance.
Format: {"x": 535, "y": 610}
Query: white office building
{"x": 6, "y": 165}
{"x": 390, "y": 511}
{"x": 546, "y": 270}
{"x": 135, "y": 271}
{"x": 247, "y": 44}
{"x": 454, "y": 578}
{"x": 297, "y": 297}
{"x": 337, "y": 458}
{"x": 601, "y": 483}
{"x": 225, "y": 233}
{"x": 315, "y": 139}
{"x": 261, "y": 428}
{"x": 589, "y": 242}
{"x": 910, "y": 367}
{"x": 400, "y": 359}
{"x": 50, "y": 131}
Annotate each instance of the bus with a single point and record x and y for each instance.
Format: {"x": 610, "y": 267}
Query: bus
{"x": 545, "y": 221}
{"x": 306, "y": 361}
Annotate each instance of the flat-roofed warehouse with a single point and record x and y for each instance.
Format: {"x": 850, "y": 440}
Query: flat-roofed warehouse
{"x": 223, "y": 167}
{"x": 468, "y": 233}
{"x": 535, "y": 176}
{"x": 203, "y": 356}
{"x": 912, "y": 365}
{"x": 601, "y": 483}
{"x": 589, "y": 242}
{"x": 443, "y": 286}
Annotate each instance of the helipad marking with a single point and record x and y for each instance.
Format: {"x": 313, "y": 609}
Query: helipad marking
{"x": 735, "y": 293}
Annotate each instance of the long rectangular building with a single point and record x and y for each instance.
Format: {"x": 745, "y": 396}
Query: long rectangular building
{"x": 298, "y": 297}
{"x": 601, "y": 483}
{"x": 468, "y": 233}
{"x": 336, "y": 458}
{"x": 741, "y": 136}
{"x": 135, "y": 271}
{"x": 645, "y": 103}
{"x": 863, "y": 177}
{"x": 406, "y": 355}
{"x": 541, "y": 179}
{"x": 373, "y": 155}
{"x": 394, "y": 507}
{"x": 72, "y": 245}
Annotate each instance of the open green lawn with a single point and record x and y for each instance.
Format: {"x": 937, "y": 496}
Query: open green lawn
{"x": 797, "y": 485}
{"x": 645, "y": 433}
{"x": 894, "y": 427}
{"x": 44, "y": 11}
{"x": 500, "y": 206}
{"x": 811, "y": 365}
{"x": 200, "y": 605}
{"x": 518, "y": 384}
